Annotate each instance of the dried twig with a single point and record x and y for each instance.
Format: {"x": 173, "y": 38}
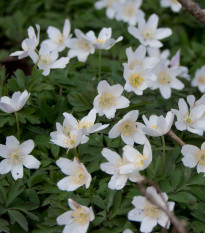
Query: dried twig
{"x": 178, "y": 225}
{"x": 175, "y": 138}
{"x": 194, "y": 10}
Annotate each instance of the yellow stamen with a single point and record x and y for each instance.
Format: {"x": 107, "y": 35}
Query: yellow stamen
{"x": 16, "y": 157}
{"x": 106, "y": 100}
{"x": 151, "y": 210}
{"x": 200, "y": 156}
{"x": 128, "y": 128}
{"x": 129, "y": 11}
{"x": 81, "y": 216}
{"x": 79, "y": 176}
{"x": 154, "y": 126}
{"x": 84, "y": 124}
{"x": 164, "y": 78}
{"x": 136, "y": 80}
{"x": 201, "y": 79}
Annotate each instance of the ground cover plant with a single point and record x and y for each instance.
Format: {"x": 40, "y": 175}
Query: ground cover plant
{"x": 102, "y": 116}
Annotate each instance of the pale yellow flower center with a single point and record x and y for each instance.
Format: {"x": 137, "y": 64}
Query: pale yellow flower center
{"x": 84, "y": 45}
{"x": 81, "y": 216}
{"x": 136, "y": 80}
{"x": 154, "y": 126}
{"x": 147, "y": 33}
{"x": 135, "y": 63}
{"x": 101, "y": 41}
{"x": 59, "y": 39}
{"x": 128, "y": 128}
{"x": 139, "y": 160}
{"x": 70, "y": 141}
{"x": 110, "y": 2}
{"x": 106, "y": 100}
{"x": 189, "y": 119}
{"x": 45, "y": 59}
{"x": 129, "y": 11}
{"x": 84, "y": 124}
{"x": 164, "y": 78}
{"x": 16, "y": 157}
{"x": 25, "y": 48}
{"x": 151, "y": 210}
{"x": 67, "y": 130}
{"x": 200, "y": 156}
{"x": 175, "y": 2}
{"x": 201, "y": 79}
{"x": 120, "y": 163}
{"x": 79, "y": 176}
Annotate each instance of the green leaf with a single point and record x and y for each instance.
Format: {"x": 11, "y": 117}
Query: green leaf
{"x": 16, "y": 216}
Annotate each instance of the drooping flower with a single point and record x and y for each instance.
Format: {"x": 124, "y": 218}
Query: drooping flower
{"x": 148, "y": 33}
{"x": 129, "y": 130}
{"x": 166, "y": 79}
{"x": 77, "y": 174}
{"x": 199, "y": 79}
{"x": 29, "y": 44}
{"x": 193, "y": 156}
{"x": 104, "y": 40}
{"x": 80, "y": 47}
{"x": 109, "y": 99}
{"x": 129, "y": 11}
{"x": 77, "y": 219}
{"x": 16, "y": 156}
{"x": 15, "y": 103}
{"x": 149, "y": 214}
{"x": 112, "y": 167}
{"x": 173, "y": 4}
{"x": 158, "y": 126}
{"x": 190, "y": 119}
{"x": 57, "y": 39}
{"x": 47, "y": 60}
{"x": 109, "y": 5}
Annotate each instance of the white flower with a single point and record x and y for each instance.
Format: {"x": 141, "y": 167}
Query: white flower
{"x": 15, "y": 103}
{"x": 129, "y": 129}
{"x": 58, "y": 40}
{"x": 136, "y": 161}
{"x": 155, "y": 52}
{"x": 80, "y": 47}
{"x": 199, "y": 79}
{"x": 166, "y": 79}
{"x": 47, "y": 59}
{"x": 104, "y": 40}
{"x": 138, "y": 58}
{"x": 77, "y": 174}
{"x": 190, "y": 120}
{"x": 149, "y": 214}
{"x": 127, "y": 231}
{"x": 109, "y": 99}
{"x": 76, "y": 220}
{"x": 108, "y": 4}
{"x": 16, "y": 156}
{"x": 129, "y": 11}
{"x": 112, "y": 167}
{"x": 147, "y": 33}
{"x": 29, "y": 44}
{"x": 173, "y": 4}
{"x": 158, "y": 126}
{"x": 138, "y": 79}
{"x": 194, "y": 156}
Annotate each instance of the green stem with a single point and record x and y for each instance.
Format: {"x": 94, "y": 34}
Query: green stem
{"x": 17, "y": 124}
{"x": 163, "y": 144}
{"x": 77, "y": 152}
{"x": 99, "y": 70}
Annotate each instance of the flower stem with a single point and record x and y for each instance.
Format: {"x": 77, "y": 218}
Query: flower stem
{"x": 17, "y": 124}
{"x": 99, "y": 68}
{"x": 77, "y": 154}
{"x": 163, "y": 144}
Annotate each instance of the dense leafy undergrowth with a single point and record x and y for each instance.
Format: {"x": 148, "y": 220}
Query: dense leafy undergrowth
{"x": 33, "y": 203}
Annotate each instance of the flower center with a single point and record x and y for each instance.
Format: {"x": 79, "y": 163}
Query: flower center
{"x": 136, "y": 80}
{"x": 110, "y": 2}
{"x": 84, "y": 45}
{"x": 154, "y": 126}
{"x": 188, "y": 118}
{"x": 200, "y": 156}
{"x": 45, "y": 59}
{"x": 106, "y": 100}
{"x": 139, "y": 160}
{"x": 128, "y": 128}
{"x": 16, "y": 157}
{"x": 151, "y": 210}
{"x": 120, "y": 163}
{"x": 175, "y": 2}
{"x": 101, "y": 41}
{"x": 135, "y": 63}
{"x": 81, "y": 216}
{"x": 59, "y": 39}
{"x": 129, "y": 11}
{"x": 25, "y": 48}
{"x": 201, "y": 80}
{"x": 163, "y": 78}
{"x": 79, "y": 176}
{"x": 84, "y": 124}
{"x": 147, "y": 33}
{"x": 70, "y": 141}
{"x": 67, "y": 130}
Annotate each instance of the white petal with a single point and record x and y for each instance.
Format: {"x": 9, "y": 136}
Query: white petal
{"x": 4, "y": 151}
{"x": 108, "y": 167}
{"x": 67, "y": 184}
{"x": 60, "y": 63}
{"x": 31, "y": 162}
{"x": 116, "y": 90}
{"x": 5, "y": 166}
{"x": 103, "y": 87}
{"x": 26, "y": 147}
{"x": 148, "y": 224}
{"x": 162, "y": 33}
{"x": 122, "y": 102}
{"x": 165, "y": 91}
{"x": 200, "y": 168}
{"x": 53, "y": 32}
{"x": 115, "y": 131}
{"x": 65, "y": 218}
{"x": 117, "y": 182}
{"x": 132, "y": 115}
{"x": 12, "y": 143}
{"x": 66, "y": 28}
{"x": 17, "y": 171}
{"x": 110, "y": 155}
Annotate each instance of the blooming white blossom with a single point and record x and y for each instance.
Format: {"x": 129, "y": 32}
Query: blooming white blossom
{"x": 112, "y": 167}
{"x": 76, "y": 220}
{"x": 149, "y": 214}
{"x": 158, "y": 126}
{"x": 194, "y": 156}
{"x": 199, "y": 79}
{"x": 104, "y": 40}
{"x": 80, "y": 47}
{"x": 147, "y": 32}
{"x": 159, "y": 55}
{"x": 77, "y": 174}
{"x": 127, "y": 231}
{"x": 16, "y": 156}
{"x": 47, "y": 59}
{"x": 109, "y": 5}
{"x": 166, "y": 79}
{"x": 15, "y": 103}
{"x": 129, "y": 11}
{"x": 109, "y": 99}
{"x": 190, "y": 119}
{"x": 130, "y": 130}
{"x": 29, "y": 44}
{"x": 57, "y": 39}
{"x": 173, "y": 4}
